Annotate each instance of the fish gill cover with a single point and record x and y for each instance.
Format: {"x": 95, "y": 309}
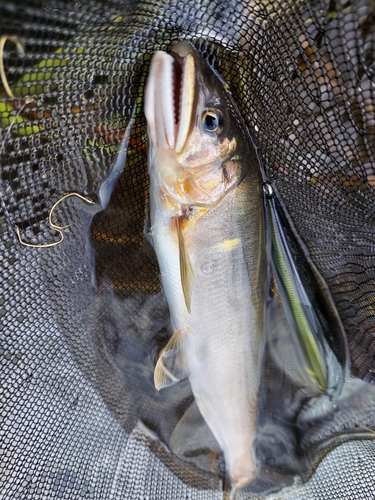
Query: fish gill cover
{"x": 82, "y": 312}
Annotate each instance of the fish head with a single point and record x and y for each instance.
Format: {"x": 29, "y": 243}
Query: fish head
{"x": 195, "y": 142}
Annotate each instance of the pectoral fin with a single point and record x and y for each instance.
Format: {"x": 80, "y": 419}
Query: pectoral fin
{"x": 172, "y": 365}
{"x": 186, "y": 267}
{"x": 192, "y": 434}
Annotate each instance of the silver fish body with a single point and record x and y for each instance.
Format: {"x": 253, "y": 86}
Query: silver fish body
{"x": 226, "y": 326}
{"x": 207, "y": 225}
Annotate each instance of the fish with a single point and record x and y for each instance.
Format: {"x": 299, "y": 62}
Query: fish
{"x": 207, "y": 224}
{"x": 303, "y": 321}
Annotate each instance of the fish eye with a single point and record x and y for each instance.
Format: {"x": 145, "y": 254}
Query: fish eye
{"x": 213, "y": 121}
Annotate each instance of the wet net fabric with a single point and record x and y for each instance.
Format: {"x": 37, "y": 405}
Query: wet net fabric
{"x": 82, "y": 313}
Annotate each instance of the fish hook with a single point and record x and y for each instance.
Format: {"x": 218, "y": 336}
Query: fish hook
{"x": 3, "y": 77}
{"x": 37, "y": 245}
{"x": 52, "y": 224}
{"x": 55, "y": 226}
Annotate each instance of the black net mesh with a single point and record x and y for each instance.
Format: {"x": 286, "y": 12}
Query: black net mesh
{"x": 82, "y": 312}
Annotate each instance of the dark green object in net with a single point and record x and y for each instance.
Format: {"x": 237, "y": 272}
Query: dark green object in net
{"x": 82, "y": 320}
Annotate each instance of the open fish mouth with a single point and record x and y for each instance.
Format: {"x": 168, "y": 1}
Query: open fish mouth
{"x": 197, "y": 161}
{"x": 171, "y": 96}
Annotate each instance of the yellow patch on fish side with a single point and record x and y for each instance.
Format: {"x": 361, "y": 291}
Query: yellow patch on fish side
{"x": 169, "y": 204}
{"x": 187, "y": 187}
{"x": 192, "y": 188}
{"x": 211, "y": 184}
{"x": 228, "y": 244}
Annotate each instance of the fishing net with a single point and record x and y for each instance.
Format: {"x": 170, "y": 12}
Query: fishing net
{"x": 82, "y": 311}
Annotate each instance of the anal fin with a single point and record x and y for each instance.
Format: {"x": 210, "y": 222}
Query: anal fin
{"x": 192, "y": 435}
